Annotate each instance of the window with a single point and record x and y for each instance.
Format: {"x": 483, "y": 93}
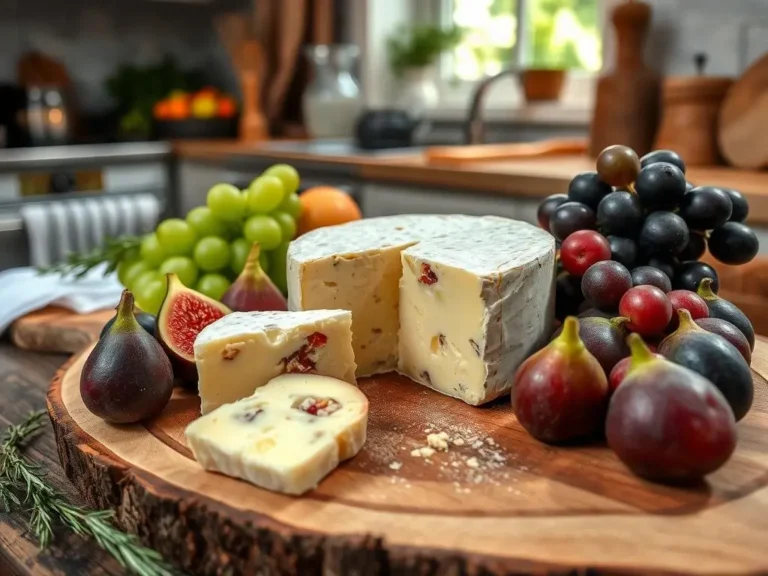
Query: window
{"x": 522, "y": 33}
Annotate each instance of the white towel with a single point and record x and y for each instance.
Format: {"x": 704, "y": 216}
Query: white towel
{"x": 23, "y": 290}
{"x": 57, "y": 228}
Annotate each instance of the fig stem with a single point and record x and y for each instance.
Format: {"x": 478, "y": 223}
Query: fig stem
{"x": 125, "y": 315}
{"x": 640, "y": 352}
{"x": 252, "y": 264}
{"x": 619, "y": 321}
{"x": 686, "y": 320}
{"x": 705, "y": 289}
{"x": 569, "y": 337}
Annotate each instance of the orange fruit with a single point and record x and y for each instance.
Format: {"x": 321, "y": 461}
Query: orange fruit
{"x": 326, "y": 206}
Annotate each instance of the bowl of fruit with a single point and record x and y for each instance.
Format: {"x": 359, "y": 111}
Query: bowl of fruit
{"x": 645, "y": 341}
{"x": 205, "y": 114}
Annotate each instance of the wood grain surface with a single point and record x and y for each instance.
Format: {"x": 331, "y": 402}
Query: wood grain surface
{"x": 24, "y": 380}
{"x": 58, "y": 330}
{"x": 518, "y": 507}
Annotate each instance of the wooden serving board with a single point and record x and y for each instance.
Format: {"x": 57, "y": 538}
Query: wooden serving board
{"x": 525, "y": 508}
{"x": 54, "y": 329}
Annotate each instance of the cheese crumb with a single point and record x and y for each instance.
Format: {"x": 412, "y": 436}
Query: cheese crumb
{"x": 458, "y": 441}
{"x": 438, "y": 441}
{"x": 478, "y": 444}
{"x": 416, "y": 453}
{"x": 490, "y": 441}
{"x": 472, "y": 462}
{"x": 426, "y": 451}
{"x": 395, "y": 465}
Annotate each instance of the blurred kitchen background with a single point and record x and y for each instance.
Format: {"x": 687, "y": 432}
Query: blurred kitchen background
{"x": 393, "y": 101}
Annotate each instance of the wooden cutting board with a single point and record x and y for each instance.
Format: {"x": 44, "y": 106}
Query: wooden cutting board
{"x": 58, "y": 330}
{"x": 743, "y": 118}
{"x": 500, "y": 503}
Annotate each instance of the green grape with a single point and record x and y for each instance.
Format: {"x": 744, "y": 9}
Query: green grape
{"x": 291, "y": 205}
{"x": 263, "y": 229}
{"x": 226, "y": 202}
{"x": 213, "y": 285}
{"x": 212, "y": 253}
{"x": 277, "y": 267}
{"x": 287, "y": 224}
{"x": 176, "y": 237}
{"x": 133, "y": 271}
{"x": 145, "y": 278}
{"x": 150, "y": 296}
{"x": 264, "y": 261}
{"x": 151, "y": 251}
{"x": 123, "y": 267}
{"x": 204, "y": 223}
{"x": 287, "y": 175}
{"x": 183, "y": 267}
{"x": 239, "y": 253}
{"x": 264, "y": 194}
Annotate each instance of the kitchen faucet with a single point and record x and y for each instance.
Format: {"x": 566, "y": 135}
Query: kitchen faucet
{"x": 475, "y": 126}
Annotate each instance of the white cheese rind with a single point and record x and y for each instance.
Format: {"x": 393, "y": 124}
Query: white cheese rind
{"x": 244, "y": 350}
{"x": 268, "y": 440}
{"x": 500, "y": 284}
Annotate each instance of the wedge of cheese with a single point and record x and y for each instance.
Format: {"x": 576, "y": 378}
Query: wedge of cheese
{"x": 286, "y": 437}
{"x": 244, "y": 350}
{"x": 454, "y": 302}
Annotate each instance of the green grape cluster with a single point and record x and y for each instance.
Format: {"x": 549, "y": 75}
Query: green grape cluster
{"x": 208, "y": 248}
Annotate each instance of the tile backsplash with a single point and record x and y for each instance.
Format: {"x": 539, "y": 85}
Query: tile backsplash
{"x": 92, "y": 38}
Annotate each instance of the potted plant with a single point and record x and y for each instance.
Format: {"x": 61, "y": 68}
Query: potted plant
{"x": 412, "y": 55}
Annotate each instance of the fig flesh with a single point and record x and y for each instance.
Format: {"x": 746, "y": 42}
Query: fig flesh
{"x": 561, "y": 392}
{"x": 714, "y": 358}
{"x": 667, "y": 423}
{"x": 721, "y": 308}
{"x": 253, "y": 290}
{"x": 127, "y": 377}
{"x": 183, "y": 315}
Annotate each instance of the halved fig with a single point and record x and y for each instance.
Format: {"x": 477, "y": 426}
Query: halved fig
{"x": 183, "y": 315}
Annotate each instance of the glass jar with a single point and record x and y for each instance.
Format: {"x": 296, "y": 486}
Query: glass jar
{"x": 332, "y": 101}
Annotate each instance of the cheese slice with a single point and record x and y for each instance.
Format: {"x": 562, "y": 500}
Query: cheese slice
{"x": 286, "y": 437}
{"x": 244, "y": 350}
{"x": 491, "y": 303}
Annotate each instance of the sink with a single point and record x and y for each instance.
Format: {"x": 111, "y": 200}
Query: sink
{"x": 336, "y": 148}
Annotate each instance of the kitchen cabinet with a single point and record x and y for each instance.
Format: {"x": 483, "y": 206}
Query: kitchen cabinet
{"x": 387, "y": 199}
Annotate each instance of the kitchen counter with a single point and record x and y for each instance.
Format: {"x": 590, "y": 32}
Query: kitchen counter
{"x": 24, "y": 380}
{"x": 60, "y": 157}
{"x": 523, "y": 178}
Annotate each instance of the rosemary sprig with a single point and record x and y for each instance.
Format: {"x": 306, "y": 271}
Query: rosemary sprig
{"x": 23, "y": 483}
{"x": 78, "y": 265}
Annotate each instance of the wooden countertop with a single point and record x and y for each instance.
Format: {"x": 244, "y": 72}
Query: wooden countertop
{"x": 24, "y": 380}
{"x": 525, "y": 178}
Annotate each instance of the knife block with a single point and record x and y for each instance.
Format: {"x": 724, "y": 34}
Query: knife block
{"x": 689, "y": 121}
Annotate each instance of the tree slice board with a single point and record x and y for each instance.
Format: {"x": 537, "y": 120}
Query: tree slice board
{"x": 500, "y": 503}
{"x": 54, "y": 329}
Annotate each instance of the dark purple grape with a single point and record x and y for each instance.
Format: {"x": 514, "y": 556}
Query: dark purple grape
{"x": 623, "y": 250}
{"x": 660, "y": 186}
{"x": 740, "y": 205}
{"x": 695, "y": 248}
{"x": 588, "y": 189}
{"x": 604, "y": 283}
{"x": 689, "y": 275}
{"x": 569, "y": 218}
{"x": 567, "y": 295}
{"x": 618, "y": 165}
{"x": 620, "y": 214}
{"x": 733, "y": 243}
{"x": 668, "y": 156}
{"x": 547, "y": 206}
{"x": 650, "y": 276}
{"x": 666, "y": 265}
{"x": 663, "y": 233}
{"x": 705, "y": 208}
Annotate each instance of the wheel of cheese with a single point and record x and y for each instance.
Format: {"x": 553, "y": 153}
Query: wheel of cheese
{"x": 454, "y": 302}
{"x": 286, "y": 437}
